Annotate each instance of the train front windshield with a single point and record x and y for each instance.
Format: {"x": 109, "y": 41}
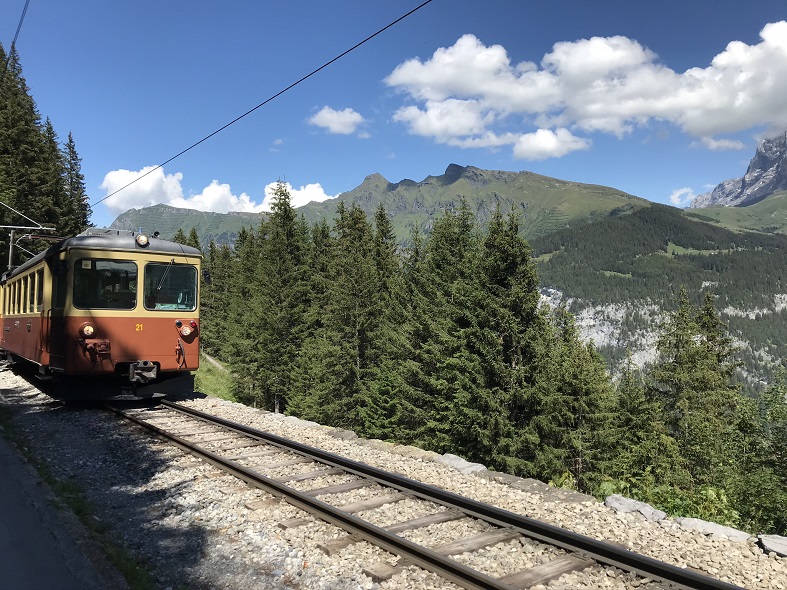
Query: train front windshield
{"x": 170, "y": 286}
{"x": 105, "y": 284}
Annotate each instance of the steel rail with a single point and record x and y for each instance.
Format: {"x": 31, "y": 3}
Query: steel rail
{"x": 602, "y": 552}
{"x": 411, "y": 553}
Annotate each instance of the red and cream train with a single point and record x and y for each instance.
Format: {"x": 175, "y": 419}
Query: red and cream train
{"x": 106, "y": 315}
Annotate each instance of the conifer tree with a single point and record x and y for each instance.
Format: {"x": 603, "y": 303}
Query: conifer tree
{"x": 443, "y": 301}
{"x": 193, "y": 239}
{"x": 693, "y": 383}
{"x": 244, "y": 321}
{"x": 281, "y": 299}
{"x": 180, "y": 237}
{"x": 340, "y": 359}
{"x": 411, "y": 410}
{"x": 759, "y": 486}
{"x": 78, "y": 208}
{"x": 647, "y": 457}
{"x": 216, "y": 302}
{"x": 51, "y": 193}
{"x": 574, "y": 420}
{"x": 304, "y": 399}
{"x": 391, "y": 349}
{"x": 25, "y": 156}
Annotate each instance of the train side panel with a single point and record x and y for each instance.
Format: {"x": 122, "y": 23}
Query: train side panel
{"x": 25, "y": 328}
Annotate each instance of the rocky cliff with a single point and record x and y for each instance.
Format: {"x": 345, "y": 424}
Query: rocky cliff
{"x": 767, "y": 174}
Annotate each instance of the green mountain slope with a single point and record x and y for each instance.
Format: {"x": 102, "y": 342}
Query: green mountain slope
{"x": 634, "y": 265}
{"x": 768, "y": 215}
{"x": 658, "y": 249}
{"x": 545, "y": 204}
{"x": 219, "y": 227}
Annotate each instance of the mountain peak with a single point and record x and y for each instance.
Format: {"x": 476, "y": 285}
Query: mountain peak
{"x": 454, "y": 172}
{"x": 766, "y": 174}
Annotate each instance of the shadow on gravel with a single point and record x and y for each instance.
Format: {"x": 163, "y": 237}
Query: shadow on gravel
{"x": 114, "y": 482}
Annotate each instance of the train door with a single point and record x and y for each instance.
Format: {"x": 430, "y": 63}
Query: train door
{"x": 3, "y": 313}
{"x": 54, "y": 311}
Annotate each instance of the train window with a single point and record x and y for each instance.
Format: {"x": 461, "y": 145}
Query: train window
{"x": 105, "y": 284}
{"x": 31, "y": 294}
{"x": 25, "y": 291}
{"x": 59, "y": 283}
{"x": 170, "y": 286}
{"x": 39, "y": 289}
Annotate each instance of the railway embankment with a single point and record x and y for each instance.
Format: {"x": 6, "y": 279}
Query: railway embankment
{"x": 192, "y": 526}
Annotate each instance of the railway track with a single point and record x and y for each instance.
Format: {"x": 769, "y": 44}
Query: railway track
{"x": 294, "y": 472}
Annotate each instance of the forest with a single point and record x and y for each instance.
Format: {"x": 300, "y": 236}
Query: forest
{"x": 656, "y": 250}
{"x": 41, "y": 179}
{"x": 445, "y": 345}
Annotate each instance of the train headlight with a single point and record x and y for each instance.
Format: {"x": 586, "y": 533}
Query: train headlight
{"x": 186, "y": 329}
{"x": 142, "y": 240}
{"x": 87, "y": 330}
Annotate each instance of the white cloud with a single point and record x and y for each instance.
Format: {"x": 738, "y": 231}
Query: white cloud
{"x": 158, "y": 187}
{"x": 155, "y": 187}
{"x": 343, "y": 122}
{"x": 545, "y": 144}
{"x": 445, "y": 119}
{"x": 298, "y": 196}
{"x": 465, "y": 93}
{"x": 218, "y": 198}
{"x": 722, "y": 144}
{"x": 681, "y": 197}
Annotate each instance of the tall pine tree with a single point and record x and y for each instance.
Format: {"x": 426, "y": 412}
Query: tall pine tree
{"x": 693, "y": 381}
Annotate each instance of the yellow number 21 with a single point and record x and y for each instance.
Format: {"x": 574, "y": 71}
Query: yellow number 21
{"x": 139, "y": 327}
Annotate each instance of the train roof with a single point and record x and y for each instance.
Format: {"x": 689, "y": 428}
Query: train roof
{"x": 113, "y": 240}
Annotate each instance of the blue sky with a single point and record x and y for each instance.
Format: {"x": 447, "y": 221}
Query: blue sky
{"x": 659, "y": 99}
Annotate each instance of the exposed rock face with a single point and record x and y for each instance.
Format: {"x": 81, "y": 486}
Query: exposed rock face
{"x": 767, "y": 174}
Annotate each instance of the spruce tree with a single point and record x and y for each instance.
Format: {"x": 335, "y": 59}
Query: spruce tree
{"x": 281, "y": 299}
{"x": 193, "y": 239}
{"x": 51, "y": 202}
{"x": 391, "y": 349}
{"x": 759, "y": 487}
{"x": 340, "y": 361}
{"x": 180, "y": 237}
{"x": 244, "y": 318}
{"x": 647, "y": 456}
{"x": 442, "y": 371}
{"x": 78, "y": 208}
{"x": 412, "y": 409}
{"x": 693, "y": 382}
{"x": 28, "y": 156}
{"x": 574, "y": 417}
{"x": 303, "y": 400}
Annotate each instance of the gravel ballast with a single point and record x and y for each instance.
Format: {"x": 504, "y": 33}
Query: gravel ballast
{"x": 191, "y": 528}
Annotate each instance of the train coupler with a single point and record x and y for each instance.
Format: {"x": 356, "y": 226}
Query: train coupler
{"x": 142, "y": 371}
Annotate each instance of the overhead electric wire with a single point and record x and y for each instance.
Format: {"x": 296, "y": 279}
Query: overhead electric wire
{"x": 266, "y": 101}
{"x": 16, "y": 36}
{"x": 21, "y": 20}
